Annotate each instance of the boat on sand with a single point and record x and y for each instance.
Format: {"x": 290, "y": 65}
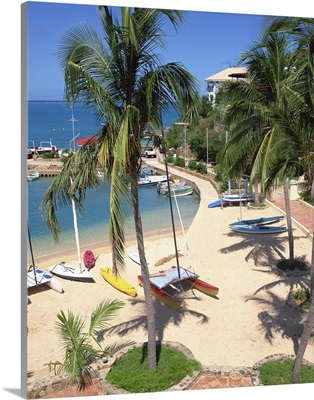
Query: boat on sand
{"x": 258, "y": 229}
{"x": 67, "y": 271}
{"x": 37, "y": 277}
{"x": 118, "y": 282}
{"x": 258, "y": 221}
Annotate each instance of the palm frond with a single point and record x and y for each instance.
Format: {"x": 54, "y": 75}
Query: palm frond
{"x": 102, "y": 314}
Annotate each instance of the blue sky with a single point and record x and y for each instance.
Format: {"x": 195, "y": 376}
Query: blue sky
{"x": 206, "y": 43}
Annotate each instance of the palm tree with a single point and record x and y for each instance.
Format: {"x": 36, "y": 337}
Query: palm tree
{"x": 78, "y": 350}
{"x": 261, "y": 117}
{"x": 122, "y": 79}
{"x": 301, "y": 33}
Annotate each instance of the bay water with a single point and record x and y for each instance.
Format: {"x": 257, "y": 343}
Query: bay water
{"x": 52, "y": 121}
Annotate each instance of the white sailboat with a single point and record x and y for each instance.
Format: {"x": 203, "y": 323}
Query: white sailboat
{"x": 68, "y": 271}
{"x": 37, "y": 277}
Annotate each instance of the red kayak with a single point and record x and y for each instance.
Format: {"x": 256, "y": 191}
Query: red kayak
{"x": 89, "y": 259}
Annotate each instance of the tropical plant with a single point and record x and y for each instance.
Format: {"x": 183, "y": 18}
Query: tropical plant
{"x": 122, "y": 79}
{"x": 300, "y": 32}
{"x": 78, "y": 351}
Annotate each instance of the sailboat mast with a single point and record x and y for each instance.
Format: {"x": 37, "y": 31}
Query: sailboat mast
{"x": 76, "y": 232}
{"x": 32, "y": 255}
{"x": 171, "y": 212}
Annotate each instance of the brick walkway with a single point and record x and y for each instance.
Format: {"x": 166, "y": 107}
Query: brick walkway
{"x": 301, "y": 212}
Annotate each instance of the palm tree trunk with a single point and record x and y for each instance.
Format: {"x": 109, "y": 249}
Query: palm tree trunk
{"x": 150, "y": 309}
{"x": 289, "y": 225}
{"x": 307, "y": 331}
{"x": 256, "y": 194}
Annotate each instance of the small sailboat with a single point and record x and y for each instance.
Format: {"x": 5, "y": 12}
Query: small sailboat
{"x": 67, "y": 271}
{"x": 167, "y": 286}
{"x": 258, "y": 221}
{"x": 37, "y": 277}
{"x": 258, "y": 229}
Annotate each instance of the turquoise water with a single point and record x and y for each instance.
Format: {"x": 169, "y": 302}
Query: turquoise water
{"x": 51, "y": 120}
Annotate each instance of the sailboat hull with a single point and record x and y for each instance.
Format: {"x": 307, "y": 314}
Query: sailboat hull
{"x": 258, "y": 221}
{"x": 204, "y": 287}
{"x": 67, "y": 271}
{"x": 162, "y": 296}
{"x": 43, "y": 278}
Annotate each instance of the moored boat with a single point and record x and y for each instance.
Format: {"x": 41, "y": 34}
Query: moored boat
{"x": 177, "y": 189}
{"x": 32, "y": 176}
{"x": 151, "y": 180}
{"x": 118, "y": 282}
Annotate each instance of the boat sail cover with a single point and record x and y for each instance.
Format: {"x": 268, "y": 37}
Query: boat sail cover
{"x": 171, "y": 276}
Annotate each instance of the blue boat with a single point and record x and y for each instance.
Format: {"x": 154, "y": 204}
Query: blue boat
{"x": 258, "y": 221}
{"x": 258, "y": 229}
{"x": 217, "y": 203}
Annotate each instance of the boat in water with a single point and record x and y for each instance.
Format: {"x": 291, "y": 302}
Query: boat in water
{"x": 151, "y": 180}
{"x": 33, "y": 176}
{"x": 177, "y": 189}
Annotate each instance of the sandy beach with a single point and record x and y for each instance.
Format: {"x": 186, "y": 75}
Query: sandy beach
{"x": 248, "y": 320}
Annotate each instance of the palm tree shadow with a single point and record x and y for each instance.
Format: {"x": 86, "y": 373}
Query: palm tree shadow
{"x": 279, "y": 319}
{"x": 265, "y": 250}
{"x": 163, "y": 315}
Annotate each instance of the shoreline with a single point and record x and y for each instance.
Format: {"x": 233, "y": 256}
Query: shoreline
{"x": 246, "y": 321}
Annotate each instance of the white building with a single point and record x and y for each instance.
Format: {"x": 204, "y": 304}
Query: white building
{"x": 214, "y": 81}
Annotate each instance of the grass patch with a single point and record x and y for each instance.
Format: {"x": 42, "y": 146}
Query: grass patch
{"x": 131, "y": 373}
{"x": 280, "y": 372}
{"x": 284, "y": 265}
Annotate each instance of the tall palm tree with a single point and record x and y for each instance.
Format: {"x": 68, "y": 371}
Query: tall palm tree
{"x": 261, "y": 117}
{"x": 122, "y": 78}
{"x": 301, "y": 33}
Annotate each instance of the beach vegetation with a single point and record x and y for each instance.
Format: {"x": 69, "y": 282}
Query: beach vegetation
{"x": 301, "y": 297}
{"x": 269, "y": 119}
{"x": 279, "y": 373}
{"x": 130, "y": 372}
{"x": 77, "y": 344}
{"x": 119, "y": 76}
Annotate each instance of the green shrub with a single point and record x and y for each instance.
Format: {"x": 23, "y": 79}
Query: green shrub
{"x": 179, "y": 162}
{"x": 280, "y": 373}
{"x": 170, "y": 159}
{"x": 131, "y": 373}
{"x": 192, "y": 165}
{"x": 201, "y": 168}
{"x": 50, "y": 155}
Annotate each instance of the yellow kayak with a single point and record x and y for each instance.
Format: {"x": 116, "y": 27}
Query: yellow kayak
{"x": 117, "y": 282}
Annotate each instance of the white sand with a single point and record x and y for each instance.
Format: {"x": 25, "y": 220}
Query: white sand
{"x": 248, "y": 320}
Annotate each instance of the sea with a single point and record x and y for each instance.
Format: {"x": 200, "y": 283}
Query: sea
{"x": 53, "y": 121}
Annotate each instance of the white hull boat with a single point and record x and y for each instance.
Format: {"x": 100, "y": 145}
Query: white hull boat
{"x": 32, "y": 176}
{"x": 135, "y": 257}
{"x": 40, "y": 277}
{"x": 67, "y": 271}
